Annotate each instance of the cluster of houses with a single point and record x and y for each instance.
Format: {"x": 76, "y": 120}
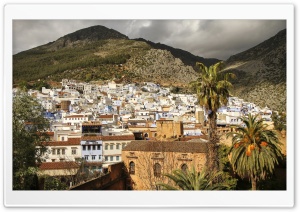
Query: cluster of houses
{"x": 95, "y": 122}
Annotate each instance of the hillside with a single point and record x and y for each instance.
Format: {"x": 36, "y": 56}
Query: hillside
{"x": 99, "y": 53}
{"x": 186, "y": 57}
{"x": 261, "y": 73}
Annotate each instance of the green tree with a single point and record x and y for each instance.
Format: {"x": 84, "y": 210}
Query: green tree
{"x": 255, "y": 150}
{"x": 29, "y": 127}
{"x": 212, "y": 88}
{"x": 54, "y": 183}
{"x": 193, "y": 180}
{"x": 279, "y": 121}
{"x": 225, "y": 166}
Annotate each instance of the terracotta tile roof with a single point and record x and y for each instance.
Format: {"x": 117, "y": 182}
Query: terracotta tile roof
{"x": 109, "y": 137}
{"x": 58, "y": 165}
{"x": 165, "y": 146}
{"x": 74, "y": 140}
{"x": 105, "y": 116}
{"x": 70, "y": 142}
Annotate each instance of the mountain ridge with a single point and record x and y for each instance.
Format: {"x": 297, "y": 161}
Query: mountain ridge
{"x": 261, "y": 72}
{"x": 99, "y": 53}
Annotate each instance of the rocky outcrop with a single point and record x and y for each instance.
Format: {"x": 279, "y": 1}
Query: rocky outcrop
{"x": 162, "y": 67}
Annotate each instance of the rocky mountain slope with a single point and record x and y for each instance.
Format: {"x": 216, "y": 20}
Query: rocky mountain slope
{"x": 186, "y": 57}
{"x": 99, "y": 53}
{"x": 261, "y": 73}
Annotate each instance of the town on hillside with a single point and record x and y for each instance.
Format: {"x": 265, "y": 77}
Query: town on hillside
{"x": 100, "y": 133}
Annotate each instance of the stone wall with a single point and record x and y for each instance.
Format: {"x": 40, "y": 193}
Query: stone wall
{"x": 115, "y": 179}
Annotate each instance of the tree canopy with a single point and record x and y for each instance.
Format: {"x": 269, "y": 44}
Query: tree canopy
{"x": 193, "y": 180}
{"x": 212, "y": 88}
{"x": 29, "y": 128}
{"x": 255, "y": 150}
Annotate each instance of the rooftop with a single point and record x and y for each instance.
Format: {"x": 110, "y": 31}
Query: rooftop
{"x": 59, "y": 165}
{"x": 165, "y": 146}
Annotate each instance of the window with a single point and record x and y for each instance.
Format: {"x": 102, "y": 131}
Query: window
{"x": 99, "y": 147}
{"x": 94, "y": 147}
{"x": 89, "y": 147}
{"x": 63, "y": 151}
{"x": 117, "y": 158}
{"x": 93, "y": 157}
{"x": 58, "y": 151}
{"x": 106, "y": 147}
{"x": 86, "y": 157}
{"x": 184, "y": 156}
{"x": 111, "y": 146}
{"x": 73, "y": 151}
{"x": 53, "y": 151}
{"x": 157, "y": 170}
{"x": 111, "y": 158}
{"x": 62, "y": 138}
{"x": 131, "y": 168}
{"x": 106, "y": 158}
{"x": 83, "y": 147}
{"x": 184, "y": 167}
{"x": 99, "y": 157}
{"x": 118, "y": 146}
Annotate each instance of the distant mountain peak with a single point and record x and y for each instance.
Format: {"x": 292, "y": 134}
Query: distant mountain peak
{"x": 261, "y": 49}
{"x": 94, "y": 33}
{"x": 86, "y": 35}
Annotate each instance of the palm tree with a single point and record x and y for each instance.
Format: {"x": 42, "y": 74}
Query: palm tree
{"x": 255, "y": 150}
{"x": 212, "y": 88}
{"x": 193, "y": 180}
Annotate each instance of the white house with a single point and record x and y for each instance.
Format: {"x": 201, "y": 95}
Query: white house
{"x": 112, "y": 147}
{"x": 75, "y": 119}
{"x": 63, "y": 150}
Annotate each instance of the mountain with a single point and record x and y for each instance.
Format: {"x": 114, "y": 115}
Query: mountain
{"x": 261, "y": 73}
{"x": 186, "y": 57}
{"x": 99, "y": 53}
{"x": 82, "y": 36}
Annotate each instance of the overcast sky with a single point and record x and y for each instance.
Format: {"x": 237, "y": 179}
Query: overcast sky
{"x": 206, "y": 38}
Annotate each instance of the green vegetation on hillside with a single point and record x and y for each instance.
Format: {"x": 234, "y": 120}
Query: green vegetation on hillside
{"x": 94, "y": 58}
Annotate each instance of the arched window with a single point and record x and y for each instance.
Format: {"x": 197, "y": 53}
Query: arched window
{"x": 184, "y": 167}
{"x": 157, "y": 170}
{"x": 131, "y": 168}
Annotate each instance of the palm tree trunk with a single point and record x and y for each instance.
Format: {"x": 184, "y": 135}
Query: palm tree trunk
{"x": 253, "y": 182}
{"x": 212, "y": 159}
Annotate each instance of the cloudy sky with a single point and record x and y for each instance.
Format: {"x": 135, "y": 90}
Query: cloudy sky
{"x": 206, "y": 38}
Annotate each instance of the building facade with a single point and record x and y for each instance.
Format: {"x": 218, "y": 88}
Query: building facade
{"x": 147, "y": 161}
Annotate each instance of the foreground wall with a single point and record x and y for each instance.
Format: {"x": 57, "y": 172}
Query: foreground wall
{"x": 115, "y": 179}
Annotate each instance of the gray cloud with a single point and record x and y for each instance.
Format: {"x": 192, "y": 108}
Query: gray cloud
{"x": 207, "y": 38}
